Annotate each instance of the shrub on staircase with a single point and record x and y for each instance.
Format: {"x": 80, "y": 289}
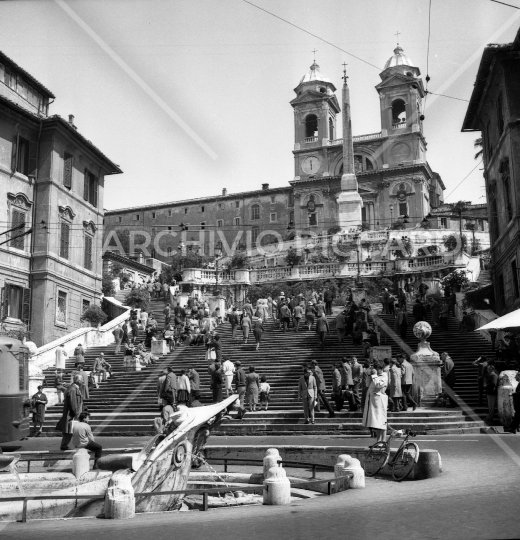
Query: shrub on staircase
{"x": 94, "y": 315}
{"x": 138, "y": 298}
{"x": 107, "y": 284}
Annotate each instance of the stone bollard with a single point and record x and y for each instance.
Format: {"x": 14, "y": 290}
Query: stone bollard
{"x": 347, "y": 465}
{"x": 272, "y": 456}
{"x": 277, "y": 487}
{"x": 80, "y": 462}
{"x": 120, "y": 499}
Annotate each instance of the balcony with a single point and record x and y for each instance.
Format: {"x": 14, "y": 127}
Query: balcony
{"x": 308, "y": 140}
{"x": 358, "y": 138}
{"x": 399, "y": 125}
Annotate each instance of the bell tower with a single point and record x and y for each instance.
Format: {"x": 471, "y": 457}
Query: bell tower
{"x": 401, "y": 93}
{"x": 315, "y": 110}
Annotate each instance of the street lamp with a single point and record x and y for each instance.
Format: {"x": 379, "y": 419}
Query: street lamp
{"x": 359, "y": 285}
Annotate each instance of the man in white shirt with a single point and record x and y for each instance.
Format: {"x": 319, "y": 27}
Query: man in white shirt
{"x": 228, "y": 368}
{"x": 61, "y": 357}
{"x": 82, "y": 437}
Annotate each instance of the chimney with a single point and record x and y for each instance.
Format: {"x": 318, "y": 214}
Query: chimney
{"x": 265, "y": 186}
{"x": 224, "y": 192}
{"x": 71, "y": 121}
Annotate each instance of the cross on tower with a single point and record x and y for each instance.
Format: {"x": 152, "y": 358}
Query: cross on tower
{"x": 314, "y": 51}
{"x": 345, "y": 72}
{"x": 397, "y": 34}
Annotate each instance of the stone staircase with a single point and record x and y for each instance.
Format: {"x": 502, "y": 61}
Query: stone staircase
{"x": 127, "y": 403}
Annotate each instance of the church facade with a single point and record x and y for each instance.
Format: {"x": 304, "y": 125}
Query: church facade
{"x": 394, "y": 178}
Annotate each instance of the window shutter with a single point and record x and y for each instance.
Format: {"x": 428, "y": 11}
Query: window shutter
{"x": 3, "y": 298}
{"x": 26, "y": 306}
{"x": 85, "y": 186}
{"x": 14, "y": 153}
{"x": 68, "y": 163}
{"x": 64, "y": 240}
{"x": 17, "y": 240}
{"x": 88, "y": 252}
{"x": 93, "y": 190}
{"x": 33, "y": 159}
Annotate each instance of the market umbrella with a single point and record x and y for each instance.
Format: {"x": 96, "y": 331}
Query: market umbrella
{"x": 511, "y": 320}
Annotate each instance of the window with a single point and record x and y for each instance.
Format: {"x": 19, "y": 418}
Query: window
{"x": 202, "y": 225}
{"x": 313, "y": 221}
{"x": 120, "y": 219}
{"x": 18, "y": 222}
{"x": 506, "y": 184}
{"x": 16, "y": 302}
{"x": 220, "y": 223}
{"x": 514, "y": 271}
{"x": 291, "y": 199}
{"x": 88, "y": 252}
{"x": 137, "y": 217}
{"x": 364, "y": 214}
{"x": 185, "y": 210}
{"x": 237, "y": 221}
{"x": 154, "y": 231}
{"x": 489, "y": 146}
{"x": 64, "y": 239}
{"x": 500, "y": 114}
{"x": 24, "y": 155}
{"x": 61, "y": 307}
{"x": 273, "y": 199}
{"x": 202, "y": 209}
{"x": 358, "y": 164}
{"x": 403, "y": 208}
{"x": 220, "y": 206}
{"x": 169, "y": 228}
{"x": 495, "y": 224}
{"x": 331, "y": 129}
{"x": 272, "y": 217}
{"x": 311, "y": 126}
{"x": 85, "y": 304}
{"x": 68, "y": 163}
{"x": 398, "y": 113}
{"x": 153, "y": 215}
{"x": 169, "y": 251}
{"x": 255, "y": 212}
{"x": 90, "y": 188}
{"x": 169, "y": 213}
{"x": 255, "y": 231}
{"x": 444, "y": 223}
{"x": 237, "y": 204}
{"x": 480, "y": 223}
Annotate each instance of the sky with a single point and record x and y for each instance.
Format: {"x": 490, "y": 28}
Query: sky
{"x": 192, "y": 96}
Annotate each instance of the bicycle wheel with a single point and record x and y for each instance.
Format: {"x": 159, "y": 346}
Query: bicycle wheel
{"x": 376, "y": 459}
{"x": 405, "y": 461}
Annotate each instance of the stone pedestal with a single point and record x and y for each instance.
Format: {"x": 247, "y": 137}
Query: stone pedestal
{"x": 120, "y": 498}
{"x": 380, "y": 352}
{"x": 277, "y": 487}
{"x": 159, "y": 347}
{"x": 80, "y": 463}
{"x": 271, "y": 460}
{"x": 350, "y": 469}
{"x": 426, "y": 365}
{"x": 506, "y": 386}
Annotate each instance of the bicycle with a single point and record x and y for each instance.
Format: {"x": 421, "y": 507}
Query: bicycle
{"x": 403, "y": 461}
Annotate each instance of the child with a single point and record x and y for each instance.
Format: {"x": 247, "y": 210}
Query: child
{"x": 264, "y": 392}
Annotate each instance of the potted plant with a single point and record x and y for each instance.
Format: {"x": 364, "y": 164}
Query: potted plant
{"x": 94, "y": 315}
{"x": 455, "y": 280}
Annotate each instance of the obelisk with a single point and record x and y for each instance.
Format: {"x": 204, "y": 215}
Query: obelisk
{"x": 349, "y": 199}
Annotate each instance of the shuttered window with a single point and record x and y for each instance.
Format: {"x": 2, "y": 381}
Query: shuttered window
{"x": 16, "y": 302}
{"x": 24, "y": 156}
{"x": 88, "y": 251}
{"x": 61, "y": 307}
{"x": 68, "y": 163}
{"x": 64, "y": 240}
{"x": 90, "y": 188}
{"x": 18, "y": 222}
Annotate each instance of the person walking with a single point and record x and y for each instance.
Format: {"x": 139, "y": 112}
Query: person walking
{"x": 395, "y": 390}
{"x": 385, "y": 299}
{"x": 340, "y": 325}
{"x": 419, "y": 311}
{"x": 79, "y": 356}
{"x": 347, "y": 383}
{"x": 307, "y": 393}
{"x": 60, "y": 385}
{"x": 61, "y": 356}
{"x": 72, "y": 408}
{"x": 321, "y": 389}
{"x": 144, "y": 318}
{"x": 124, "y": 328}
{"x": 194, "y": 387}
{"x": 443, "y": 316}
{"x": 285, "y": 317}
{"x": 82, "y": 437}
{"x": 166, "y": 291}
{"x": 357, "y": 381}
{"x": 167, "y": 312}
{"x": 233, "y": 321}
{"x": 169, "y": 387}
{"x": 246, "y": 326}
{"x": 328, "y": 297}
{"x": 401, "y": 322}
{"x": 265, "y": 389}
{"x": 337, "y": 393}
{"x": 38, "y": 404}
{"x": 228, "y": 369}
{"x": 448, "y": 376}
{"x": 217, "y": 380}
{"x": 481, "y": 362}
{"x": 491, "y": 390}
{"x": 407, "y": 384}
{"x": 297, "y": 314}
{"x": 118, "y": 336}
{"x": 322, "y": 328}
{"x": 159, "y": 387}
{"x": 310, "y": 315}
{"x": 252, "y": 388}
{"x": 376, "y": 404}
{"x": 135, "y": 329}
{"x": 258, "y": 330}
{"x": 240, "y": 387}
{"x": 183, "y": 388}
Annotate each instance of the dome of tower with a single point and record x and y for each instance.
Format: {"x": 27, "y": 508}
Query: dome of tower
{"x": 398, "y": 59}
{"x": 314, "y": 75}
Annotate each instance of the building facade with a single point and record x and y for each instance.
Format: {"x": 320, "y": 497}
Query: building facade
{"x": 394, "y": 177}
{"x": 494, "y": 110}
{"x": 52, "y": 182}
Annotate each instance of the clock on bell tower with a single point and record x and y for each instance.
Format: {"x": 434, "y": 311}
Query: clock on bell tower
{"x": 315, "y": 110}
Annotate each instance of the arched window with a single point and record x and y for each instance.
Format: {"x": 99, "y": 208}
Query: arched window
{"x": 311, "y": 126}
{"x": 398, "y": 113}
{"x": 331, "y": 129}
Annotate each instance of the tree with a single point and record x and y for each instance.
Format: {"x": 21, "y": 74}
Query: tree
{"x": 478, "y": 144}
{"x": 94, "y": 315}
{"x": 239, "y": 261}
{"x": 180, "y": 262}
{"x": 292, "y": 258}
{"x": 451, "y": 242}
{"x": 138, "y": 298}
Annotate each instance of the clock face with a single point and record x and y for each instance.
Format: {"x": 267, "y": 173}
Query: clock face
{"x": 311, "y": 165}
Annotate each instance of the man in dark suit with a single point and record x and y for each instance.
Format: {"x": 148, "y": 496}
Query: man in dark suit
{"x": 233, "y": 321}
{"x": 307, "y": 392}
{"x": 448, "y": 376}
{"x": 322, "y": 327}
{"x": 72, "y": 408}
{"x": 328, "y": 297}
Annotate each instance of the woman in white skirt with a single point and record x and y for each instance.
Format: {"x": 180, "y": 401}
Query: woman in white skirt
{"x": 376, "y": 404}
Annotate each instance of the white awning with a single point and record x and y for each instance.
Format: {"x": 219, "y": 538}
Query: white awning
{"x": 511, "y": 320}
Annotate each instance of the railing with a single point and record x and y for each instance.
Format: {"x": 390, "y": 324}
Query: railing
{"x": 204, "y": 492}
{"x": 358, "y": 138}
{"x": 270, "y": 274}
{"x": 421, "y": 262}
{"x": 399, "y": 125}
{"x": 328, "y": 269}
{"x": 310, "y": 139}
